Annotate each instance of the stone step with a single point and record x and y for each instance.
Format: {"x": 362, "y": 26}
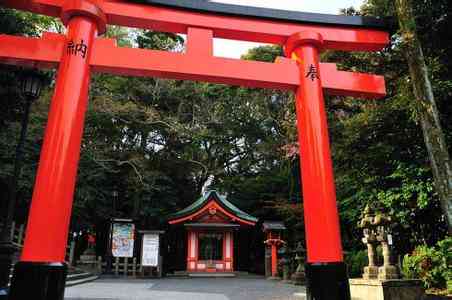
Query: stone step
{"x": 211, "y": 275}
{"x": 241, "y": 273}
{"x": 81, "y": 281}
{"x": 177, "y": 275}
{"x": 300, "y": 296}
{"x": 77, "y": 276}
{"x": 180, "y": 273}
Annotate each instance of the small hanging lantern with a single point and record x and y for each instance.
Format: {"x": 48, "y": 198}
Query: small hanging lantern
{"x": 32, "y": 85}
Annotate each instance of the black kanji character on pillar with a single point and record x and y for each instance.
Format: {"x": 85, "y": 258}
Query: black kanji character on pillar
{"x": 75, "y": 49}
{"x": 82, "y": 48}
{"x": 312, "y": 73}
{"x": 71, "y": 48}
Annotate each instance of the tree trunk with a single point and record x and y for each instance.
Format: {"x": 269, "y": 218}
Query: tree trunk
{"x": 426, "y": 106}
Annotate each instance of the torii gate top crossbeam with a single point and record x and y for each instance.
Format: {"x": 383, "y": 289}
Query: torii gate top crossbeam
{"x": 273, "y": 14}
{"x": 46, "y": 52}
{"x": 198, "y": 62}
{"x": 337, "y": 32}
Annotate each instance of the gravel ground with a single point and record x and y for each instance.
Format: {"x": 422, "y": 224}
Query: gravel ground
{"x": 185, "y": 289}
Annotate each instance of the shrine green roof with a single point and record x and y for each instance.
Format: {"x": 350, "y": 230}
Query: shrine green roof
{"x": 202, "y": 201}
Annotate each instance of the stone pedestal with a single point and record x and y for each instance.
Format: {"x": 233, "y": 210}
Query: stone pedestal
{"x": 285, "y": 269}
{"x": 88, "y": 260}
{"x": 373, "y": 289}
{"x": 299, "y": 277}
{"x": 388, "y": 272}
{"x": 370, "y": 272}
{"x": 88, "y": 256}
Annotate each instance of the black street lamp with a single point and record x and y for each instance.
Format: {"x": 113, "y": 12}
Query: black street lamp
{"x": 31, "y": 90}
{"x": 31, "y": 86}
{"x": 109, "y": 254}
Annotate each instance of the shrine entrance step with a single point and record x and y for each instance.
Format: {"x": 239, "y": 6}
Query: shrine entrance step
{"x": 77, "y": 276}
{"x": 211, "y": 275}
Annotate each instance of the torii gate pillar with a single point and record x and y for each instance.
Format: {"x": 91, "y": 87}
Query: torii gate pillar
{"x": 41, "y": 272}
{"x": 325, "y": 270}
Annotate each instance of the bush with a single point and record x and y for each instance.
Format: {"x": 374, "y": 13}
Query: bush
{"x": 433, "y": 265}
{"x": 356, "y": 261}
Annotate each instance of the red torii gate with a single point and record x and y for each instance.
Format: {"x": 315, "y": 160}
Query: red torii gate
{"x": 41, "y": 272}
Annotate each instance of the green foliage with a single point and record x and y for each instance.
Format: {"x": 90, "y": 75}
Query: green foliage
{"x": 433, "y": 265}
{"x": 378, "y": 147}
{"x": 18, "y": 22}
{"x": 356, "y": 261}
{"x": 160, "y": 41}
{"x": 156, "y": 142}
{"x": 412, "y": 191}
{"x": 264, "y": 53}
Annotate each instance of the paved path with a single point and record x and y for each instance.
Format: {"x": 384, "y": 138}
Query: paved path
{"x": 185, "y": 289}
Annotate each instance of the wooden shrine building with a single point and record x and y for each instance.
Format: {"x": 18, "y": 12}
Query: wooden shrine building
{"x": 210, "y": 224}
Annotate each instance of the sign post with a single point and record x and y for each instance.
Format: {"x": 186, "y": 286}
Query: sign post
{"x": 122, "y": 238}
{"x": 150, "y": 250}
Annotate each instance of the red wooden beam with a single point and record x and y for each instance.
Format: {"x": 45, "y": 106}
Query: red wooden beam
{"x": 108, "y": 58}
{"x": 124, "y": 13}
{"x": 32, "y": 52}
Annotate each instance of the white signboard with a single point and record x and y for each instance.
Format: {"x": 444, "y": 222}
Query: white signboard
{"x": 390, "y": 239}
{"x": 150, "y": 252}
{"x": 123, "y": 239}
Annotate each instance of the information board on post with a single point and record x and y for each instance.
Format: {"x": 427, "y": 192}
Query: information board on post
{"x": 150, "y": 250}
{"x": 123, "y": 237}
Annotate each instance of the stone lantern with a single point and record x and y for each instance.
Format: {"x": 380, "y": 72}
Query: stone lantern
{"x": 388, "y": 270}
{"x": 284, "y": 261}
{"x": 376, "y": 229}
{"x": 299, "y": 276}
{"x": 370, "y": 239}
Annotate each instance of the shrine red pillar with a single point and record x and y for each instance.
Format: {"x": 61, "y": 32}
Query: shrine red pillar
{"x": 274, "y": 251}
{"x": 325, "y": 270}
{"x": 41, "y": 272}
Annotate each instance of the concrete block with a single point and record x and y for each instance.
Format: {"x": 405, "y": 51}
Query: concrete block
{"x": 397, "y": 289}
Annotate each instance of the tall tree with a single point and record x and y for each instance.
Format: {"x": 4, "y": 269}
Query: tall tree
{"x": 427, "y": 109}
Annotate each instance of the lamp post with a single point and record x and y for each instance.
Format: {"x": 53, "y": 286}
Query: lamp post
{"x": 109, "y": 254}
{"x": 31, "y": 90}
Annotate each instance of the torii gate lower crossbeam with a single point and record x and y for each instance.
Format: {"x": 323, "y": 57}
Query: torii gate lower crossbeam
{"x": 41, "y": 272}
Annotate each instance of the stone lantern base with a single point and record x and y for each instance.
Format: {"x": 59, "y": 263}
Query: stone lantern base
{"x": 388, "y": 272}
{"x": 88, "y": 260}
{"x": 370, "y": 272}
{"x": 299, "y": 278}
{"x": 374, "y": 289}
